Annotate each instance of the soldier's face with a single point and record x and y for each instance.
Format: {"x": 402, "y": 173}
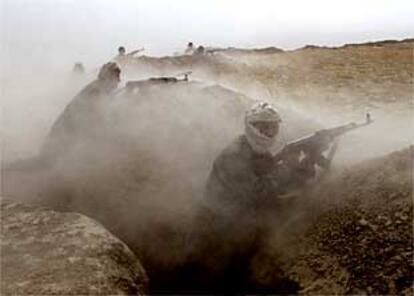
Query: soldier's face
{"x": 269, "y": 129}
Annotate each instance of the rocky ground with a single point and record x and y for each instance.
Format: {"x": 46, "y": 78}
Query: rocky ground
{"x": 361, "y": 240}
{"x": 330, "y": 86}
{"x": 366, "y": 73}
{"x": 44, "y": 252}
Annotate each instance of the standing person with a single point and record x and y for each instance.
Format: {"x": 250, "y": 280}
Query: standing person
{"x": 190, "y": 48}
{"x": 123, "y": 56}
{"x": 121, "y": 51}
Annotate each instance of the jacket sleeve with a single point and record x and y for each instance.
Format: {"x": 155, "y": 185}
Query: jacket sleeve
{"x": 229, "y": 185}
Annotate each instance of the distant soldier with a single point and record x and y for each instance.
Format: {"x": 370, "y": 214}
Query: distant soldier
{"x": 123, "y": 57}
{"x": 190, "y": 48}
{"x": 82, "y": 112}
{"x": 121, "y": 51}
{"x": 78, "y": 69}
{"x": 199, "y": 51}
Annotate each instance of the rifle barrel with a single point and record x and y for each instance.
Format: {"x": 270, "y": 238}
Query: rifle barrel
{"x": 321, "y": 137}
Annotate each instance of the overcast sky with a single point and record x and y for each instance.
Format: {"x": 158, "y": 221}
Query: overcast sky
{"x": 62, "y": 31}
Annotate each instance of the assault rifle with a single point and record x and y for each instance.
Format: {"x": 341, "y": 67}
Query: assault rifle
{"x": 131, "y": 86}
{"x": 305, "y": 154}
{"x": 311, "y": 147}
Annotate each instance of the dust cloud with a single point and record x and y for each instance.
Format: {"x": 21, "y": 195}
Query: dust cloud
{"x": 274, "y": 78}
{"x": 140, "y": 167}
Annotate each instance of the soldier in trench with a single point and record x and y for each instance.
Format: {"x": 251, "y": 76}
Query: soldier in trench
{"x": 81, "y": 116}
{"x": 243, "y": 201}
{"x": 123, "y": 58}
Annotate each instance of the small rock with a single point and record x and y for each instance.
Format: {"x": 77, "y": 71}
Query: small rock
{"x": 403, "y": 217}
{"x": 397, "y": 258}
{"x": 406, "y": 254}
{"x": 393, "y": 195}
{"x": 373, "y": 227}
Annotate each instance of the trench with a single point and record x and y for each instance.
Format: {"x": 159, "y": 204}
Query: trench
{"x": 191, "y": 276}
{"x": 234, "y": 280}
{"x": 228, "y": 285}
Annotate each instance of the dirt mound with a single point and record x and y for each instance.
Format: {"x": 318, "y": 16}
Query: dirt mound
{"x": 367, "y": 76}
{"x": 172, "y": 65}
{"x": 50, "y": 253}
{"x": 243, "y": 51}
{"x": 362, "y": 242}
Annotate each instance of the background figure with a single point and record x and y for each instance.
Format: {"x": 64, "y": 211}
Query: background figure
{"x": 78, "y": 69}
{"x": 190, "y": 48}
{"x": 121, "y": 51}
{"x": 199, "y": 51}
{"x": 124, "y": 57}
